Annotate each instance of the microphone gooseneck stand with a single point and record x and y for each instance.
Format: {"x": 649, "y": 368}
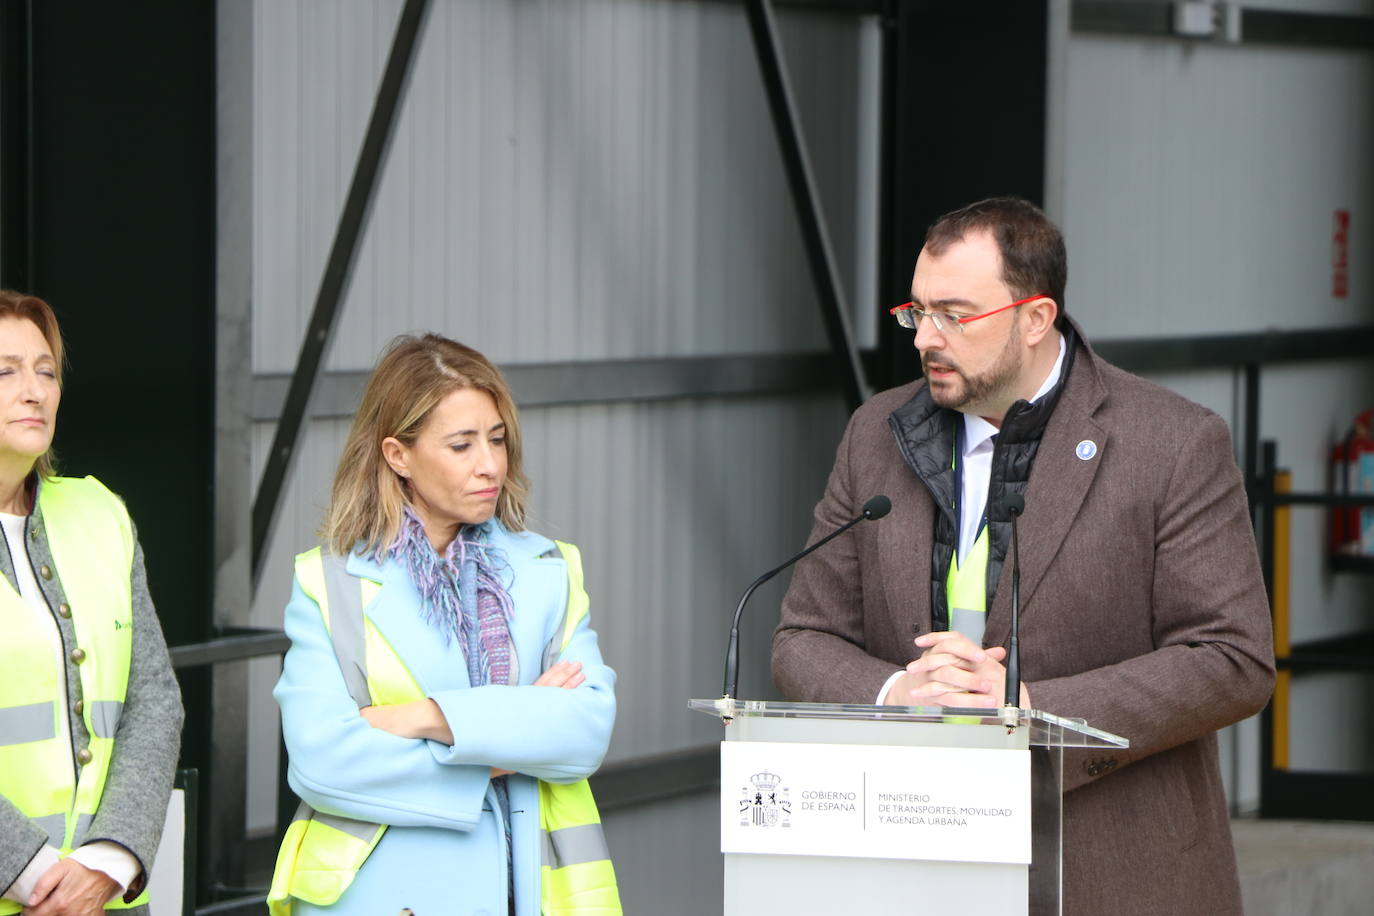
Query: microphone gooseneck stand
{"x": 1011, "y": 704}
{"x": 874, "y": 509}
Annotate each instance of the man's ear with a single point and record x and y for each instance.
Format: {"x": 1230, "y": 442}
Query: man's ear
{"x": 1040, "y": 316}
{"x": 396, "y": 455}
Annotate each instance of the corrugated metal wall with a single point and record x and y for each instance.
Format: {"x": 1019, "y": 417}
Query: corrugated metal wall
{"x": 573, "y": 181}
{"x": 1196, "y": 185}
{"x": 568, "y": 180}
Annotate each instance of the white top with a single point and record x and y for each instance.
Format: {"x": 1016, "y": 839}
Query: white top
{"x": 111, "y": 858}
{"x": 979, "y": 436}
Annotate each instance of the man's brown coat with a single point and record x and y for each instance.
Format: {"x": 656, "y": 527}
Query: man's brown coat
{"x": 1143, "y": 611}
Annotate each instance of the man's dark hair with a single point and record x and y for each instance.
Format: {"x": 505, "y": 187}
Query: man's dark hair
{"x": 1034, "y": 260}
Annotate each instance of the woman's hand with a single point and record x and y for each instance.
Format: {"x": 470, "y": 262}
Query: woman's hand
{"x": 564, "y": 674}
{"x": 71, "y": 889}
{"x": 420, "y": 719}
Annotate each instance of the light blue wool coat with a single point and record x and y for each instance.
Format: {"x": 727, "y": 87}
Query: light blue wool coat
{"x": 444, "y": 853}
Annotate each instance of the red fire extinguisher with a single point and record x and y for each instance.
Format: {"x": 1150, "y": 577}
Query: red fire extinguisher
{"x": 1352, "y": 468}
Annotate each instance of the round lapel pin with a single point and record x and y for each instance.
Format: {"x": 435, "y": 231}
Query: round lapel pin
{"x": 1086, "y": 449}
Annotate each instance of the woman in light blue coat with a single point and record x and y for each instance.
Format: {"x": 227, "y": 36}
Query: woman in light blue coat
{"x": 428, "y": 504}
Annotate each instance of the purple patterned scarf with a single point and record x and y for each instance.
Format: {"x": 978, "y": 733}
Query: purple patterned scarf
{"x": 462, "y": 596}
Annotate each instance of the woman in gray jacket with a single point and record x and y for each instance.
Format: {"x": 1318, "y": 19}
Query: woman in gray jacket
{"x": 90, "y": 713}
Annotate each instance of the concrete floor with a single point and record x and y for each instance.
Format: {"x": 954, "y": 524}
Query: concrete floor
{"x": 1305, "y": 868}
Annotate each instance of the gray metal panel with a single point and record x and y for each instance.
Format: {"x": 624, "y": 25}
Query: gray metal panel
{"x": 569, "y": 180}
{"x": 667, "y": 855}
{"x": 684, "y": 504}
{"x": 1198, "y": 196}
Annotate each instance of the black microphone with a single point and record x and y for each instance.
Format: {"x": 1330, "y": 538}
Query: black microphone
{"x": 874, "y": 509}
{"x": 1015, "y": 504}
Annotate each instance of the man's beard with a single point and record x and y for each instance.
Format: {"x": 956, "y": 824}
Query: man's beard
{"x": 979, "y": 389}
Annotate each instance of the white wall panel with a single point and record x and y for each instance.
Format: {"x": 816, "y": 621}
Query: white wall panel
{"x": 1200, "y": 183}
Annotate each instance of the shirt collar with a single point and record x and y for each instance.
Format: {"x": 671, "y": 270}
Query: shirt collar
{"x": 978, "y": 432}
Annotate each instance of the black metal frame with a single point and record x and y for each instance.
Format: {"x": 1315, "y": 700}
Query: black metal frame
{"x": 1248, "y": 351}
{"x": 1291, "y": 793}
{"x": 1316, "y": 30}
{"x": 16, "y": 159}
{"x": 801, "y": 180}
{"x": 188, "y": 780}
{"x": 1256, "y": 26}
{"x": 593, "y": 381}
{"x": 334, "y": 283}
{"x": 980, "y": 135}
{"x": 233, "y": 644}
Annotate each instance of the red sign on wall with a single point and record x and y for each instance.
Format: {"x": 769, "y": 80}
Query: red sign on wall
{"x": 1340, "y": 255}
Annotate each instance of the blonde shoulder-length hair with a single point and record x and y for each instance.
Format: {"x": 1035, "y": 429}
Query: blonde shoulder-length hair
{"x": 412, "y": 376}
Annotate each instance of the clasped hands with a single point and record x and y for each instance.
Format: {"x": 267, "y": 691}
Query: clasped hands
{"x": 424, "y": 718}
{"x": 71, "y": 889}
{"x": 953, "y": 671}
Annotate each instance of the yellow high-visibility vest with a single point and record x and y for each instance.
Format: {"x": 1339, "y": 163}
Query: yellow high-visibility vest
{"x": 92, "y": 544}
{"x": 321, "y": 854}
{"x": 966, "y": 586}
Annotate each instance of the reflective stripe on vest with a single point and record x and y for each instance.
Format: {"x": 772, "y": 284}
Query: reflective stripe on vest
{"x": 320, "y": 856}
{"x": 92, "y": 545}
{"x": 966, "y": 590}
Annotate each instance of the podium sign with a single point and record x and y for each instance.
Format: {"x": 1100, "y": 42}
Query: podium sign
{"x": 947, "y": 804}
{"x": 834, "y": 808}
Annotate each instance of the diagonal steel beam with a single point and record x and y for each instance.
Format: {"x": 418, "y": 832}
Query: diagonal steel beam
{"x": 334, "y": 284}
{"x": 806, "y": 198}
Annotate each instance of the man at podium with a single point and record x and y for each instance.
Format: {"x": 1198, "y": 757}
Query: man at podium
{"x": 1143, "y": 610}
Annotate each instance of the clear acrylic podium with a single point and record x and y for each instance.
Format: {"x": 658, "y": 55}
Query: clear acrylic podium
{"x": 762, "y": 883}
